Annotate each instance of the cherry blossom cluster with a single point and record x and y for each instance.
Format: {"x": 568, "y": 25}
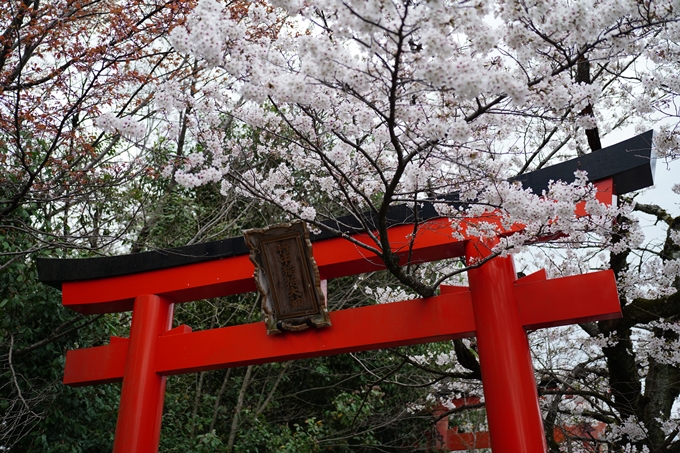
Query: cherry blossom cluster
{"x": 320, "y": 78}
{"x": 667, "y": 142}
{"x": 398, "y": 102}
{"x": 661, "y": 349}
{"x": 204, "y": 33}
{"x": 127, "y": 126}
{"x": 321, "y": 84}
{"x": 652, "y": 279}
{"x": 632, "y": 429}
{"x": 388, "y": 294}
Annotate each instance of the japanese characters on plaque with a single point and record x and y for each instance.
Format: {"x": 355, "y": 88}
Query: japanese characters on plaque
{"x": 287, "y": 278}
{"x": 291, "y": 282}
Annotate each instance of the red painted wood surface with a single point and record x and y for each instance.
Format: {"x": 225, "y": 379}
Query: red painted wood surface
{"x": 605, "y": 194}
{"x": 222, "y": 277}
{"x": 569, "y": 300}
{"x": 377, "y": 326}
{"x": 542, "y": 303}
{"x": 512, "y": 408}
{"x": 138, "y": 428}
{"x": 101, "y": 364}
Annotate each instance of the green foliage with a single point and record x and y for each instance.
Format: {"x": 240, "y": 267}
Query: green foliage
{"x": 39, "y": 414}
{"x": 262, "y": 437}
{"x": 78, "y": 420}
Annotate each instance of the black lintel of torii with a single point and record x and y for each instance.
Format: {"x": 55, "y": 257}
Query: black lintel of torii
{"x": 629, "y": 163}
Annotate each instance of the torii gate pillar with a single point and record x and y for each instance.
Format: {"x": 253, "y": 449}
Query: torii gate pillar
{"x": 138, "y": 428}
{"x": 512, "y": 408}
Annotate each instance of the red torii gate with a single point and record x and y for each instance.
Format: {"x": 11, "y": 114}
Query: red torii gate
{"x": 451, "y": 439}
{"x": 496, "y": 307}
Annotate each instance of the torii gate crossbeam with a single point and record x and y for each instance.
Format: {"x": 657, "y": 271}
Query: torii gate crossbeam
{"x": 438, "y": 318}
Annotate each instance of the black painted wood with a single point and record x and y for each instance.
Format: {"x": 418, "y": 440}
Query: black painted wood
{"x": 630, "y": 163}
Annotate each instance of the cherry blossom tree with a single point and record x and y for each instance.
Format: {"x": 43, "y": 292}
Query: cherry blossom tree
{"x": 355, "y": 107}
{"x": 62, "y": 65}
{"x": 65, "y": 186}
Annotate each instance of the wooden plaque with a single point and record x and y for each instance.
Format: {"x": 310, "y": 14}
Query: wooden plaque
{"x": 287, "y": 277}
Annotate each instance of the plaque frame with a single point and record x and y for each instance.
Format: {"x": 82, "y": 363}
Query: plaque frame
{"x": 287, "y": 277}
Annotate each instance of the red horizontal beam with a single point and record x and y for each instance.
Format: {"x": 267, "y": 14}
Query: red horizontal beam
{"x": 101, "y": 364}
{"x": 357, "y": 329}
{"x": 433, "y": 240}
{"x": 570, "y": 300}
{"x": 542, "y": 303}
{"x": 361, "y": 329}
{"x": 222, "y": 277}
